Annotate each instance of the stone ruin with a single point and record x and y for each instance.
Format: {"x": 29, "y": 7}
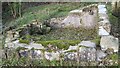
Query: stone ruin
{"x": 84, "y": 17}
{"x": 87, "y": 48}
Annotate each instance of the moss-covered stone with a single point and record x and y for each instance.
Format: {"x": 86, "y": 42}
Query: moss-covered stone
{"x": 61, "y": 44}
{"x": 24, "y": 41}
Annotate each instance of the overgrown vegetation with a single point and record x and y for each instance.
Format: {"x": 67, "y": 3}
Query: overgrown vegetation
{"x": 64, "y": 44}
{"x": 24, "y": 41}
{"x": 67, "y": 34}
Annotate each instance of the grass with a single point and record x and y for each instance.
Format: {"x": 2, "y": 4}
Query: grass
{"x": 24, "y": 41}
{"x": 61, "y": 44}
{"x": 64, "y": 44}
{"x": 67, "y": 34}
{"x": 63, "y": 38}
{"x": 113, "y": 57}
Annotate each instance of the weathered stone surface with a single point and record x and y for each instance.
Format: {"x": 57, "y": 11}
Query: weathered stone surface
{"x": 87, "y": 54}
{"x": 37, "y": 54}
{"x": 23, "y": 53}
{"x": 70, "y": 56}
{"x": 101, "y": 6}
{"x": 103, "y": 15}
{"x": 72, "y": 20}
{"x": 52, "y": 55}
{"x": 76, "y": 11}
{"x": 9, "y": 45}
{"x": 107, "y": 27}
{"x": 101, "y": 9}
{"x": 16, "y": 34}
{"x": 109, "y": 51}
{"x": 88, "y": 21}
{"x": 35, "y": 46}
{"x": 56, "y": 22}
{"x": 100, "y": 54}
{"x": 16, "y": 44}
{"x": 9, "y": 36}
{"x": 87, "y": 44}
{"x": 102, "y": 31}
{"x": 103, "y": 18}
{"x": 104, "y": 23}
{"x": 109, "y": 42}
{"x": 73, "y": 47}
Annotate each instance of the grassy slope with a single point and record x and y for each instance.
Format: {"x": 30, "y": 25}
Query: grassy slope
{"x": 44, "y": 12}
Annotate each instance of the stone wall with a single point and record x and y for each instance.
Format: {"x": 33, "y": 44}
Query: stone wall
{"x": 107, "y": 40}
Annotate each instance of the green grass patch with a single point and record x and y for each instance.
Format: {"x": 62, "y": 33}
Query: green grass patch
{"x": 67, "y": 34}
{"x": 61, "y": 44}
{"x": 24, "y": 41}
{"x": 64, "y": 44}
{"x": 96, "y": 40}
{"x": 113, "y": 56}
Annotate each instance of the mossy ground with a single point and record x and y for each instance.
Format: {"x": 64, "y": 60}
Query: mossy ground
{"x": 68, "y": 34}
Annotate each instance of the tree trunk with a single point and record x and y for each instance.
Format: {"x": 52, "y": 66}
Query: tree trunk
{"x": 11, "y": 9}
{"x": 20, "y": 9}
